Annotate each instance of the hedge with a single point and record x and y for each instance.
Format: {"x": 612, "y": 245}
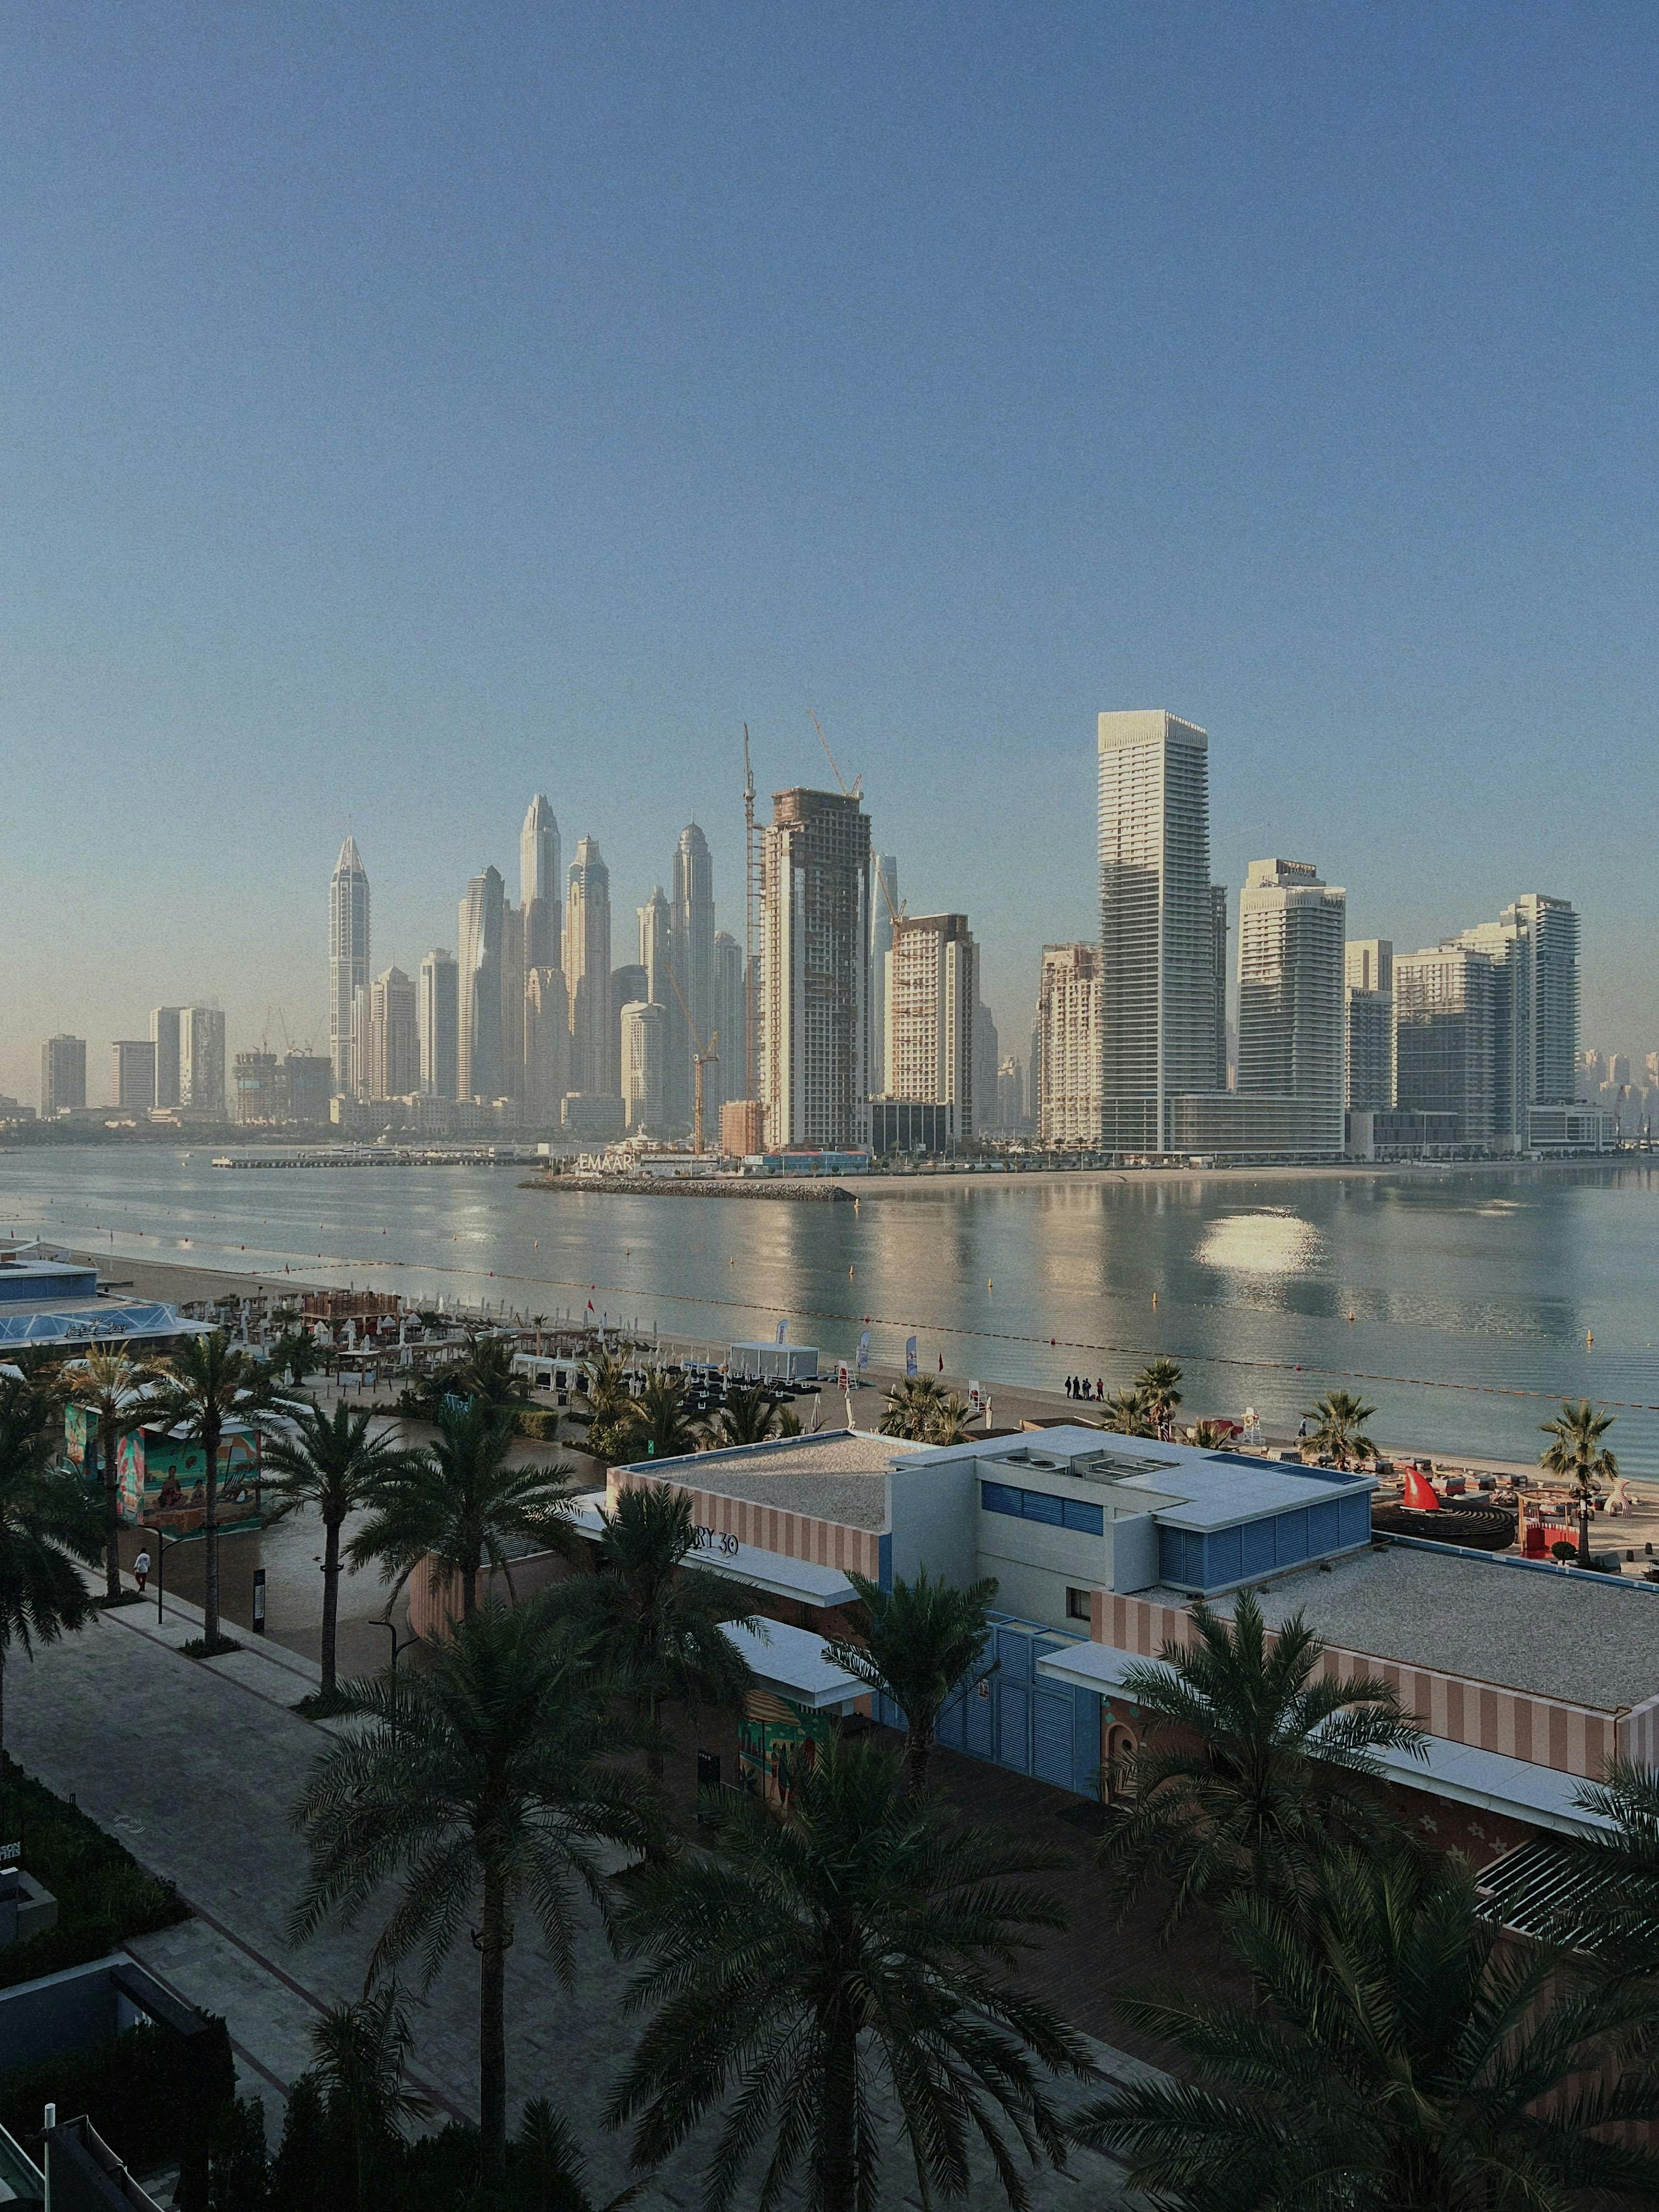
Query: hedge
{"x": 104, "y": 1895}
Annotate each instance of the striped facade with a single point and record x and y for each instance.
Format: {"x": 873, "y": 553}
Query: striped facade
{"x": 771, "y": 1528}
{"x": 1549, "y": 1732}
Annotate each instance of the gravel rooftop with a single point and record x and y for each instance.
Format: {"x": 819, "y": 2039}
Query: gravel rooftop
{"x": 1574, "y": 1636}
{"x": 840, "y": 1476}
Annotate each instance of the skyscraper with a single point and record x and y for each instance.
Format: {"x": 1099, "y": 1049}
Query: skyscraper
{"x": 1290, "y": 1034}
{"x": 481, "y": 1074}
{"x": 164, "y": 1036}
{"x": 884, "y": 906}
{"x": 541, "y": 885}
{"x": 63, "y": 1074}
{"x": 513, "y": 979}
{"x": 348, "y": 955}
{"x": 1369, "y": 991}
{"x": 657, "y": 945}
{"x": 694, "y": 965}
{"x": 593, "y": 1050}
{"x": 815, "y": 1037}
{"x": 202, "y": 1060}
{"x": 133, "y": 1065}
{"x": 644, "y": 1032}
{"x": 730, "y": 1026}
{"x": 1446, "y": 1037}
{"x": 546, "y": 1048}
{"x": 439, "y": 1019}
{"x": 1157, "y": 924}
{"x": 932, "y": 998}
{"x": 1066, "y": 1046}
{"x": 1219, "y": 970}
{"x": 1534, "y": 949}
{"x": 394, "y": 1050}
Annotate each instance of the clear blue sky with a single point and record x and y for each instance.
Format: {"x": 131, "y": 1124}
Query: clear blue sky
{"x": 406, "y": 408}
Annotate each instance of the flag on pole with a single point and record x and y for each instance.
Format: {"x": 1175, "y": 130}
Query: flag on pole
{"x": 864, "y": 1352}
{"x": 783, "y": 1327}
{"x": 910, "y": 1367}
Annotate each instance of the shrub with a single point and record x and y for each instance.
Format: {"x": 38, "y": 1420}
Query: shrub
{"x": 1561, "y": 1549}
{"x": 103, "y": 1894}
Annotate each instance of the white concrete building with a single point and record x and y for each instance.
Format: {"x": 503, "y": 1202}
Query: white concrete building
{"x": 348, "y": 958}
{"x": 437, "y": 1017}
{"x": 1291, "y": 1043}
{"x": 482, "y": 1071}
{"x": 644, "y": 1066}
{"x": 587, "y": 972}
{"x": 1066, "y": 1046}
{"x": 1368, "y": 989}
{"x": 933, "y": 1005}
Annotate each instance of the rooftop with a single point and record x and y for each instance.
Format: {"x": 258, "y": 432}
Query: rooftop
{"x": 840, "y": 1476}
{"x": 1187, "y": 1488}
{"x": 1576, "y": 1636}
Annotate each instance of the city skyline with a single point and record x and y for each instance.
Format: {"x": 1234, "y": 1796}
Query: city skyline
{"x": 852, "y": 411}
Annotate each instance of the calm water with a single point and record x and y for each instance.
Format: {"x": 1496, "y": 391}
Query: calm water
{"x": 1472, "y": 1295}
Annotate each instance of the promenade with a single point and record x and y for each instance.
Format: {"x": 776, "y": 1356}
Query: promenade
{"x": 194, "y": 1764}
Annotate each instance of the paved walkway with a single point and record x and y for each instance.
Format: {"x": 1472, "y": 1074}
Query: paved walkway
{"x": 194, "y": 1765}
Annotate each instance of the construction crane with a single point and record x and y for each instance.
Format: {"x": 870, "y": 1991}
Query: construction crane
{"x": 700, "y": 1060}
{"x": 857, "y": 791}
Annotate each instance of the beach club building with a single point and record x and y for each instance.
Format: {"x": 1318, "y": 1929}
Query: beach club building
{"x": 1526, "y": 1678}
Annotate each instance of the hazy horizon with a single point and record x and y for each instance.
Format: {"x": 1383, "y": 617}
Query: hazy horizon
{"x": 411, "y": 410}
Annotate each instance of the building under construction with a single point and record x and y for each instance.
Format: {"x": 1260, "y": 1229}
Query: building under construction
{"x": 814, "y": 1028}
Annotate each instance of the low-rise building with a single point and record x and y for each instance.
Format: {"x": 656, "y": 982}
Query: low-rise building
{"x": 1527, "y": 1678}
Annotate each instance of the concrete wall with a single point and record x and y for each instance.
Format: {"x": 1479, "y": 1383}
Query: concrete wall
{"x": 933, "y": 1507}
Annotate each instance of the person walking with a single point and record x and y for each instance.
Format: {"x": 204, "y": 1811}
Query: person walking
{"x": 141, "y": 1570}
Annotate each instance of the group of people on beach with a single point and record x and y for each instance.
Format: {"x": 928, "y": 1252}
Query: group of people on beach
{"x": 1079, "y": 1386}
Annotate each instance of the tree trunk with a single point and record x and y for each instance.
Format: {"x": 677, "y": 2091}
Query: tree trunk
{"x": 655, "y": 1762}
{"x": 837, "y": 2159}
{"x": 469, "y": 1592}
{"x": 492, "y": 2027}
{"x": 210, "y": 1533}
{"x": 111, "y": 1518}
{"x": 3, "y": 1697}
{"x": 331, "y": 1603}
{"x": 917, "y": 1750}
{"x": 1584, "y": 1532}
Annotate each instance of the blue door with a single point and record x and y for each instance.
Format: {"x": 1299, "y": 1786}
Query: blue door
{"x": 1051, "y": 1733}
{"x": 1013, "y": 1705}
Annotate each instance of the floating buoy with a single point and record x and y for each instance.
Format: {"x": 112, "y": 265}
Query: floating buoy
{"x": 1588, "y": 1339}
{"x": 1154, "y": 1300}
{"x": 989, "y": 1285}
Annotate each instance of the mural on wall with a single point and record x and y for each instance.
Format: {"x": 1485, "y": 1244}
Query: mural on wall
{"x": 777, "y": 1741}
{"x": 157, "y": 1472}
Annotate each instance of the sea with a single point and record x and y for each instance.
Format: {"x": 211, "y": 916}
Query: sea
{"x": 1463, "y": 1304}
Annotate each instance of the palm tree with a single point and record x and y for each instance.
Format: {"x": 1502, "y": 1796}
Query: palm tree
{"x": 919, "y": 1643}
{"x": 657, "y": 1425}
{"x": 330, "y": 1462}
{"x": 112, "y": 1385}
{"x": 815, "y": 1959}
{"x": 459, "y": 1503}
{"x": 48, "y": 1521}
{"x": 949, "y": 1424}
{"x": 1129, "y": 1413}
{"x": 360, "y": 2067}
{"x": 296, "y": 1354}
{"x": 750, "y": 1415}
{"x": 1576, "y": 1451}
{"x": 205, "y": 1384}
{"x": 485, "y": 1371}
{"x": 1207, "y": 1436}
{"x": 1615, "y": 1907}
{"x": 1159, "y": 1385}
{"x": 481, "y": 1785}
{"x": 654, "y": 1624}
{"x": 1253, "y": 1762}
{"x": 1399, "y": 2054}
{"x": 1339, "y": 1428}
{"x": 608, "y": 1404}
{"x": 549, "y": 2167}
{"x": 912, "y": 1407}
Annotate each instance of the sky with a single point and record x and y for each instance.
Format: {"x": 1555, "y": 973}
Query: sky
{"x": 404, "y": 409}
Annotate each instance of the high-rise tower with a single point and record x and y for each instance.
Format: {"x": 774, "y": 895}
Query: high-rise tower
{"x": 694, "y": 964}
{"x": 594, "y": 1024}
{"x": 348, "y": 954}
{"x": 884, "y": 905}
{"x": 1291, "y": 962}
{"x": 438, "y": 1017}
{"x": 815, "y": 1019}
{"x": 541, "y": 885}
{"x": 481, "y": 1074}
{"x": 1157, "y": 929}
{"x": 932, "y": 1008}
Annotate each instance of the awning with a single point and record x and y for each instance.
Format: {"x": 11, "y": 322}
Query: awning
{"x": 773, "y": 1573}
{"x": 1099, "y": 1667}
{"x": 795, "y": 1663}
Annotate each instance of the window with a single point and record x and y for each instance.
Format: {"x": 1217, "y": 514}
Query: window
{"x": 1040, "y": 1506}
{"x": 1078, "y": 1606}
{"x": 1000, "y": 1497}
{"x": 1084, "y": 1520}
